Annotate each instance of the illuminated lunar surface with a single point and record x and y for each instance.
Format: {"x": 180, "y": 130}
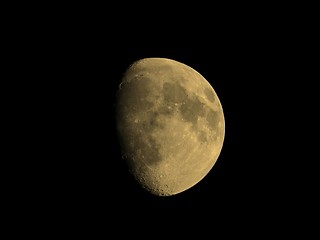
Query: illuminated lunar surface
{"x": 170, "y": 125}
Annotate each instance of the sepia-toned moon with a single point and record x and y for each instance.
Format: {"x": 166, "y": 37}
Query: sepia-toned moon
{"x": 170, "y": 125}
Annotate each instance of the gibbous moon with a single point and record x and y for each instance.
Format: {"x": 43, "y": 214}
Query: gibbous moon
{"x": 170, "y": 125}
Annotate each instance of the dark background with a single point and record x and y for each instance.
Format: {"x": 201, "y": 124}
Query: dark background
{"x": 242, "y": 66}
{"x": 77, "y": 176}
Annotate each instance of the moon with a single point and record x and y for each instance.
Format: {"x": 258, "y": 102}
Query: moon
{"x": 170, "y": 125}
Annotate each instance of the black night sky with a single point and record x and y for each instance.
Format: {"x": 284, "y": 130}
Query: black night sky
{"x": 84, "y": 178}
{"x": 239, "y": 70}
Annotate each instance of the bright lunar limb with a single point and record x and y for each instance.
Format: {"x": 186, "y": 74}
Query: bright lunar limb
{"x": 170, "y": 125}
